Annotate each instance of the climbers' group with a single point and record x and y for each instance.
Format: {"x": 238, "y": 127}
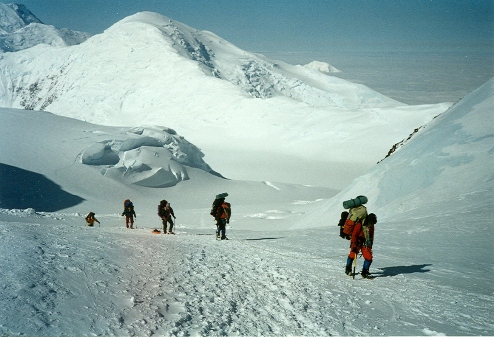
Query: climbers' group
{"x": 221, "y": 211}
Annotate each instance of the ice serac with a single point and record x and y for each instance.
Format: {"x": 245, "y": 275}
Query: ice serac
{"x": 146, "y": 156}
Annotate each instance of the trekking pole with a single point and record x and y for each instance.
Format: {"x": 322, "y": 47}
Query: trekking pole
{"x": 354, "y": 265}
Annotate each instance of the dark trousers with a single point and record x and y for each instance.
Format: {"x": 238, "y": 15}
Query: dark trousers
{"x": 167, "y": 220}
{"x": 221, "y": 227}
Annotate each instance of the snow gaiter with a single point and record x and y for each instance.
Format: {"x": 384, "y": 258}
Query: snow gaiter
{"x": 367, "y": 264}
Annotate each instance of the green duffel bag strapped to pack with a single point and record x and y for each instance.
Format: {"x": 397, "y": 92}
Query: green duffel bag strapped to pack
{"x": 221, "y": 195}
{"x": 358, "y": 201}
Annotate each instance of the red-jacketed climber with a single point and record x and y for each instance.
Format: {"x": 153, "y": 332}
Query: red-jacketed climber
{"x": 361, "y": 240}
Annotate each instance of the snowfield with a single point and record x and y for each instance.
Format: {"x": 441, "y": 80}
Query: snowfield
{"x": 108, "y": 280}
{"x": 100, "y": 132}
{"x": 281, "y": 272}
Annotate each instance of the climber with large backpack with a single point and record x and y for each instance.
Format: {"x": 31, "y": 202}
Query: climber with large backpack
{"x": 360, "y": 228}
{"x": 129, "y": 213}
{"x": 221, "y": 211}
{"x": 165, "y": 212}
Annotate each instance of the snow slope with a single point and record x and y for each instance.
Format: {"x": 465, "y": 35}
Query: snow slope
{"x": 426, "y": 177}
{"x": 281, "y": 272}
{"x": 150, "y": 70}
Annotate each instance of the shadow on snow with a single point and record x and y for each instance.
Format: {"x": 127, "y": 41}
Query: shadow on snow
{"x": 393, "y": 271}
{"x": 259, "y": 239}
{"x": 21, "y": 189}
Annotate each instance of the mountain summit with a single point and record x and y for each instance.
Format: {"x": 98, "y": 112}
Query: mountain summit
{"x": 20, "y": 29}
{"x": 253, "y": 73}
{"x": 14, "y": 17}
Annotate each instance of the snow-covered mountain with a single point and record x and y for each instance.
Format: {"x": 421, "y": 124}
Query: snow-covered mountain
{"x": 20, "y": 29}
{"x": 150, "y": 70}
{"x": 217, "y": 58}
{"x": 14, "y": 17}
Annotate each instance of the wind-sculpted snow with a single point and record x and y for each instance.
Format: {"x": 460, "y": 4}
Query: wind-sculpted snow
{"x": 152, "y": 157}
{"x": 323, "y": 67}
{"x": 148, "y": 156}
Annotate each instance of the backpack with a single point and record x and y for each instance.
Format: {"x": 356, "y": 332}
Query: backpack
{"x": 216, "y": 204}
{"x": 368, "y": 228}
{"x": 220, "y": 207}
{"x": 161, "y": 207}
{"x": 90, "y": 215}
{"x": 370, "y": 220}
{"x": 227, "y": 207}
{"x": 341, "y": 224}
{"x": 356, "y": 214}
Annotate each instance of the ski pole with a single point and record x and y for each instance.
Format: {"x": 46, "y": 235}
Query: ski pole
{"x": 354, "y": 265}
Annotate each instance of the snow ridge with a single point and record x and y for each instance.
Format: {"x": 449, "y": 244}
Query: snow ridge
{"x": 14, "y": 17}
{"x": 255, "y": 74}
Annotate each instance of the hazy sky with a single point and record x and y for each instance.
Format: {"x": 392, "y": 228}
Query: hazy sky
{"x": 299, "y": 31}
{"x": 293, "y": 25}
